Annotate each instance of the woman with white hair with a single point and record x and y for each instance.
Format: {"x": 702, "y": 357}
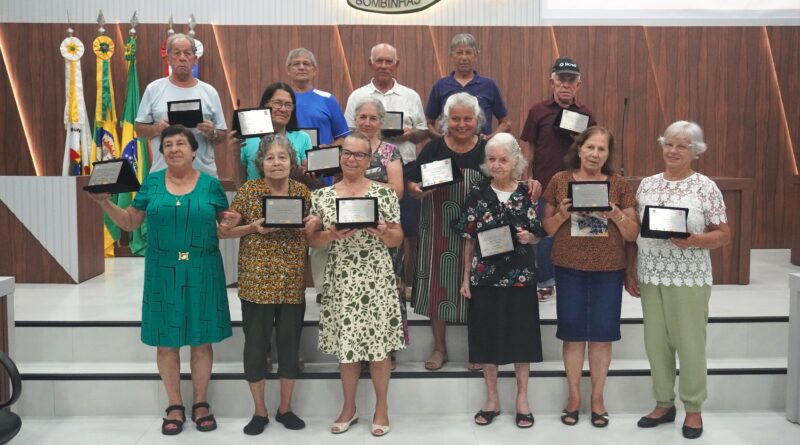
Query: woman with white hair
{"x": 437, "y": 277}
{"x": 501, "y": 288}
{"x": 673, "y": 277}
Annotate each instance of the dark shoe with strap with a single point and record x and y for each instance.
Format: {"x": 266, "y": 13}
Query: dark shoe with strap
{"x": 205, "y": 423}
{"x": 290, "y": 420}
{"x": 599, "y": 420}
{"x": 569, "y": 418}
{"x": 487, "y": 416}
{"x": 524, "y": 420}
{"x": 690, "y": 432}
{"x": 178, "y": 424}
{"x": 256, "y": 425}
{"x": 650, "y": 422}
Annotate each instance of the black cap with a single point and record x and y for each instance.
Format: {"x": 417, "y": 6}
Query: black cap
{"x": 565, "y": 65}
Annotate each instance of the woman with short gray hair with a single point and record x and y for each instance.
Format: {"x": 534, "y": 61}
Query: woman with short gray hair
{"x": 465, "y": 78}
{"x": 673, "y": 277}
{"x": 503, "y": 315}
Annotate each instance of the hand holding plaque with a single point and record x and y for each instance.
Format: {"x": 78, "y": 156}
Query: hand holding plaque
{"x": 496, "y": 241}
{"x": 112, "y": 176}
{"x": 188, "y": 113}
{"x": 589, "y": 196}
{"x": 324, "y": 161}
{"x": 665, "y": 222}
{"x": 439, "y": 174}
{"x": 282, "y": 211}
{"x": 356, "y": 213}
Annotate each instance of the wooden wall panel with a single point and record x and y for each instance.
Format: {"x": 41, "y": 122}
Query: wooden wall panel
{"x": 723, "y": 77}
{"x": 14, "y": 156}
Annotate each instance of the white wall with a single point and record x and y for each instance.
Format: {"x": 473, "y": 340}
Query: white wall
{"x": 444, "y": 13}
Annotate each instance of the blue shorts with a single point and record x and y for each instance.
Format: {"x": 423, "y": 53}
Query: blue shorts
{"x": 588, "y": 304}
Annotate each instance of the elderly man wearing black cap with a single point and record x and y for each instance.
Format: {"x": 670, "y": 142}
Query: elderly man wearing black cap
{"x": 547, "y": 144}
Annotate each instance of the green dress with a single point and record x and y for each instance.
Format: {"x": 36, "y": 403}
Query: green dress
{"x": 185, "y": 300}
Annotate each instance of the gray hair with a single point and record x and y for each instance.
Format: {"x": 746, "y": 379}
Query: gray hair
{"x": 357, "y": 136}
{"x": 300, "y": 52}
{"x": 391, "y": 49}
{"x": 511, "y": 146}
{"x": 269, "y": 141}
{"x": 464, "y": 39}
{"x": 466, "y": 100}
{"x": 179, "y": 36}
{"x": 369, "y": 100}
{"x": 686, "y": 128}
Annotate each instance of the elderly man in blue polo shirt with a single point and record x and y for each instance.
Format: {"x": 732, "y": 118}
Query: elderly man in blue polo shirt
{"x": 464, "y": 55}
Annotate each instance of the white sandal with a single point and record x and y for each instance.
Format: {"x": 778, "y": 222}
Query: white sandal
{"x": 341, "y": 427}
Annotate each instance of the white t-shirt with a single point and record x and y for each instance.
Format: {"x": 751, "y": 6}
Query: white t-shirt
{"x": 399, "y": 98}
{"x": 153, "y": 108}
{"x": 661, "y": 262}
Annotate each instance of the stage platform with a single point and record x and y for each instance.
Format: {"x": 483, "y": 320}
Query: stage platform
{"x": 79, "y": 352}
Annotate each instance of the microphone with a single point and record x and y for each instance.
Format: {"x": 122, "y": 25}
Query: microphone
{"x": 622, "y": 136}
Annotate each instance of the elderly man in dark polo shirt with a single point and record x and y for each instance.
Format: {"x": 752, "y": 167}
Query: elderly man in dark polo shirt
{"x": 546, "y": 147}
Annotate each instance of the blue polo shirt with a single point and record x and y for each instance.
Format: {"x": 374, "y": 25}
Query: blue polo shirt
{"x": 319, "y": 109}
{"x": 483, "y": 88}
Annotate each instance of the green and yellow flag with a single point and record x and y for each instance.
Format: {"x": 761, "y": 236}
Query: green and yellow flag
{"x": 133, "y": 148}
{"x": 105, "y": 144}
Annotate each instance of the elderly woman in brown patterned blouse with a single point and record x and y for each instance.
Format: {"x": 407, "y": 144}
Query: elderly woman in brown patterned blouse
{"x": 271, "y": 280}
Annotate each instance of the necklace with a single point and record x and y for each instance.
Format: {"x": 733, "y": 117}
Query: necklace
{"x": 178, "y": 200}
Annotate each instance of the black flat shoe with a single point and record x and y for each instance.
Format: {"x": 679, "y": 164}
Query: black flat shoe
{"x": 178, "y": 424}
{"x": 569, "y": 418}
{"x": 650, "y": 422}
{"x": 487, "y": 416}
{"x": 524, "y": 420}
{"x": 599, "y": 420}
{"x": 691, "y": 432}
{"x": 290, "y": 420}
{"x": 256, "y": 425}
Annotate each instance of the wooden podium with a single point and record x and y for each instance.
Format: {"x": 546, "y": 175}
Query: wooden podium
{"x": 53, "y": 231}
{"x": 731, "y": 264}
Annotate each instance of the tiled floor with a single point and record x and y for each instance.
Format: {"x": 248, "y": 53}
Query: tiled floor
{"x": 761, "y": 428}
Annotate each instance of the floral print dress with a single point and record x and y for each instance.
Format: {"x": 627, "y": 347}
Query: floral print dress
{"x": 359, "y": 318}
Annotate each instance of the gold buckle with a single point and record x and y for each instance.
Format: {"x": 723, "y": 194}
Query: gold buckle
{"x": 183, "y": 256}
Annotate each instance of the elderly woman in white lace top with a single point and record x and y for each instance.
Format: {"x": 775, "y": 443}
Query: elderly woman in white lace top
{"x": 673, "y": 277}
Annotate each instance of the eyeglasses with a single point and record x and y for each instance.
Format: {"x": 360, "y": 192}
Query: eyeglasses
{"x": 679, "y": 147}
{"x": 357, "y": 155}
{"x": 277, "y": 104}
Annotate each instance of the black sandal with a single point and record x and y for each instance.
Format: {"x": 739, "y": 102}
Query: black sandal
{"x": 599, "y": 420}
{"x": 177, "y": 423}
{"x": 571, "y": 415}
{"x": 488, "y": 416}
{"x": 200, "y": 421}
{"x": 524, "y": 418}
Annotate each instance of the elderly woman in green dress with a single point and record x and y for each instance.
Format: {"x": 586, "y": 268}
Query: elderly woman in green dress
{"x": 185, "y": 300}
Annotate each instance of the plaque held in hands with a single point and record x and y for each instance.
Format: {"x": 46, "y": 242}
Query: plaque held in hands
{"x": 282, "y": 211}
{"x": 356, "y": 213}
{"x": 662, "y": 222}
{"x": 589, "y": 196}
{"x": 439, "y": 174}
{"x": 188, "y": 113}
{"x": 495, "y": 241}
{"x": 112, "y": 176}
{"x": 324, "y": 161}
{"x": 252, "y": 122}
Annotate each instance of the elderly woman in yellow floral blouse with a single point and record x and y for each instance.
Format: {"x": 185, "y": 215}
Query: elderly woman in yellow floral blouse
{"x": 271, "y": 284}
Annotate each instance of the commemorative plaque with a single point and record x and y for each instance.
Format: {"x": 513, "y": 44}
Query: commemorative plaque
{"x": 356, "y": 213}
{"x": 495, "y": 241}
{"x": 439, "y": 174}
{"x": 392, "y": 124}
{"x": 665, "y": 222}
{"x": 252, "y": 122}
{"x": 188, "y": 113}
{"x": 324, "y": 161}
{"x": 282, "y": 211}
{"x": 313, "y": 134}
{"x": 572, "y": 121}
{"x": 112, "y": 176}
{"x": 589, "y": 196}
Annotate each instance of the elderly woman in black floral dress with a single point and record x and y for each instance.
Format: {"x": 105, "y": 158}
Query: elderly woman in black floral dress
{"x": 503, "y": 309}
